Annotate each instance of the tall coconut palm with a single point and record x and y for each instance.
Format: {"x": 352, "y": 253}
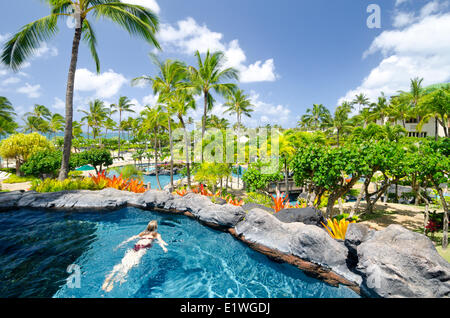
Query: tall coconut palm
{"x": 154, "y": 120}
{"x": 182, "y": 102}
{"x": 361, "y": 100}
{"x": 95, "y": 116}
{"x": 123, "y": 106}
{"x": 56, "y": 123}
{"x": 436, "y": 105}
{"x": 399, "y": 110}
{"x": 135, "y": 19}
{"x": 340, "y": 122}
{"x": 171, "y": 76}
{"x": 315, "y": 117}
{"x": 286, "y": 151}
{"x": 40, "y": 111}
{"x": 239, "y": 104}
{"x": 214, "y": 121}
{"x": 6, "y": 108}
{"x": 380, "y": 108}
{"x": 209, "y": 76}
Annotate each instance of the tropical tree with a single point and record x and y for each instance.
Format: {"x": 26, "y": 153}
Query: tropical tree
{"x": 340, "y": 121}
{"x": 399, "y": 110}
{"x": 239, "y": 104}
{"x": 40, "y": 111}
{"x": 315, "y": 117}
{"x": 6, "y": 109}
{"x": 209, "y": 76}
{"x": 21, "y": 146}
{"x": 154, "y": 120}
{"x": 182, "y": 102}
{"x": 135, "y": 19}
{"x": 123, "y": 106}
{"x": 95, "y": 116}
{"x": 436, "y": 105}
{"x": 56, "y": 123}
{"x": 214, "y": 121}
{"x": 171, "y": 76}
{"x": 35, "y": 124}
{"x": 380, "y": 108}
{"x": 361, "y": 100}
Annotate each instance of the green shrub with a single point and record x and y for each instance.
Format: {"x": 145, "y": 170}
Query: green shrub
{"x": 347, "y": 217}
{"x": 255, "y": 180}
{"x": 75, "y": 174}
{"x": 53, "y": 185}
{"x": 98, "y": 158}
{"x": 16, "y": 179}
{"x": 259, "y": 198}
{"x": 129, "y": 171}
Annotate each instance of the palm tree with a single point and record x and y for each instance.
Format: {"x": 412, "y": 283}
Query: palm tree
{"x": 214, "y": 121}
{"x": 77, "y": 130}
{"x": 40, "y": 111}
{"x": 154, "y": 120}
{"x": 399, "y": 110}
{"x": 340, "y": 122}
{"x": 95, "y": 116}
{"x": 238, "y": 103}
{"x": 35, "y": 124}
{"x": 6, "y": 109}
{"x": 209, "y": 76}
{"x": 436, "y": 105}
{"x": 315, "y": 117}
{"x": 181, "y": 104}
{"x": 361, "y": 100}
{"x": 135, "y": 19}
{"x": 286, "y": 150}
{"x": 124, "y": 105}
{"x": 172, "y": 74}
{"x": 380, "y": 108}
{"x": 56, "y": 123}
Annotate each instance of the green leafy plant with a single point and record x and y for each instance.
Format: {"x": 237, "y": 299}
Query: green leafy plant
{"x": 52, "y": 185}
{"x": 258, "y": 198}
{"x": 15, "y": 179}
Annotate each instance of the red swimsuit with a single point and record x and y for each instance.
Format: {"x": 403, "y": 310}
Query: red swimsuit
{"x": 138, "y": 247}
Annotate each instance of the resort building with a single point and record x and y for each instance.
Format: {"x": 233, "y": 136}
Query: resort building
{"x": 428, "y": 129}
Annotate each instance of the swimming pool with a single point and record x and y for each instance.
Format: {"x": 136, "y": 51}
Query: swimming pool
{"x": 36, "y": 247}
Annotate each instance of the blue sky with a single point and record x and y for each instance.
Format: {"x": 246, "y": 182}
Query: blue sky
{"x": 291, "y": 53}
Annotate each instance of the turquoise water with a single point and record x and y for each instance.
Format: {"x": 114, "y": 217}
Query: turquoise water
{"x": 36, "y": 247}
{"x": 164, "y": 180}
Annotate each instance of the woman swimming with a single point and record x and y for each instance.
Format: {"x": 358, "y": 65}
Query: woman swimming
{"x": 133, "y": 256}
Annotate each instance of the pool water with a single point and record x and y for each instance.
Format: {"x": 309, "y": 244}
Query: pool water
{"x": 36, "y": 247}
{"x": 163, "y": 179}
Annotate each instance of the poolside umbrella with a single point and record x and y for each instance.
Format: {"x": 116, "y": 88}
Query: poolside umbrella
{"x": 85, "y": 168}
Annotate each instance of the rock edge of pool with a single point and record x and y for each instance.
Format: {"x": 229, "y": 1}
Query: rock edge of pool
{"x": 394, "y": 262}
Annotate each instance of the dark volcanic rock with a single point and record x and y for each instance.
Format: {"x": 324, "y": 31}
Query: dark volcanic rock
{"x": 250, "y": 206}
{"x": 396, "y": 262}
{"x": 9, "y": 200}
{"x": 309, "y": 216}
{"x": 307, "y": 242}
{"x": 356, "y": 234}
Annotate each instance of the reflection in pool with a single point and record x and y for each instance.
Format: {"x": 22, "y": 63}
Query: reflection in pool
{"x": 36, "y": 247}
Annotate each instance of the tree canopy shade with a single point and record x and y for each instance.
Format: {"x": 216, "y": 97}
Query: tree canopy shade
{"x": 136, "y": 20}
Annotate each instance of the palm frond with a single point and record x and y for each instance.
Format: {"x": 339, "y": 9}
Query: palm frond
{"x": 135, "y": 19}
{"x": 24, "y": 43}
{"x": 91, "y": 41}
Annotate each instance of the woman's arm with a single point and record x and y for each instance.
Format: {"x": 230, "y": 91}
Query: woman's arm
{"x": 128, "y": 240}
{"x": 161, "y": 243}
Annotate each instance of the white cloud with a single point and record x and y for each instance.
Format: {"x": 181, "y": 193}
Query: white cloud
{"x": 104, "y": 85}
{"x": 399, "y": 2}
{"x": 151, "y": 4}
{"x": 417, "y": 50}
{"x": 58, "y": 104}
{"x": 4, "y": 37}
{"x": 32, "y": 91}
{"x": 10, "y": 81}
{"x": 46, "y": 51}
{"x": 403, "y": 19}
{"x": 188, "y": 37}
{"x": 264, "y": 113}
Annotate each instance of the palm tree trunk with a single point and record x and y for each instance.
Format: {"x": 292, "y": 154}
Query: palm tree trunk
{"x": 69, "y": 105}
{"x": 171, "y": 157}
{"x": 445, "y": 225}
{"x": 156, "y": 161}
{"x": 436, "y": 133}
{"x": 120, "y": 127}
{"x": 205, "y": 110}
{"x": 286, "y": 182}
{"x": 188, "y": 168}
